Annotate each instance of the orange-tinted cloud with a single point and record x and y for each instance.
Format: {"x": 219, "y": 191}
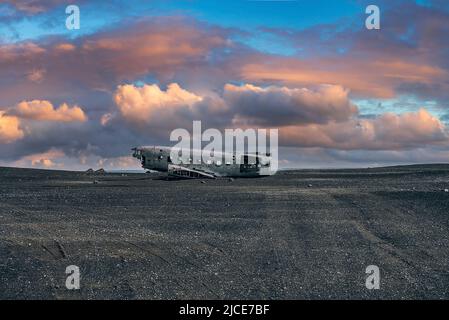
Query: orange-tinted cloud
{"x": 156, "y": 46}
{"x": 64, "y": 47}
{"x": 368, "y": 77}
{"x": 32, "y": 7}
{"x": 9, "y": 128}
{"x": 239, "y": 105}
{"x": 44, "y": 111}
{"x": 387, "y": 132}
{"x": 139, "y": 103}
{"x": 163, "y": 48}
{"x": 408, "y": 55}
{"x": 44, "y": 160}
{"x": 13, "y": 53}
{"x": 36, "y": 75}
{"x": 323, "y": 117}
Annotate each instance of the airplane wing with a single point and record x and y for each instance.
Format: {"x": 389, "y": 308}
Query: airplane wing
{"x": 183, "y": 172}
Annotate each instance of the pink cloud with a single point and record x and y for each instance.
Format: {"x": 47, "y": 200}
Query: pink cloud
{"x": 36, "y": 75}
{"x": 162, "y": 47}
{"x": 138, "y": 104}
{"x": 364, "y": 77}
{"x": 9, "y": 128}
{"x": 32, "y": 7}
{"x": 11, "y": 53}
{"x": 46, "y": 160}
{"x": 323, "y": 117}
{"x": 387, "y": 132}
{"x": 44, "y": 111}
{"x": 200, "y": 59}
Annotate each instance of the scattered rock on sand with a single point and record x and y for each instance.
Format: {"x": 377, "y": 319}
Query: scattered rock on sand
{"x": 100, "y": 171}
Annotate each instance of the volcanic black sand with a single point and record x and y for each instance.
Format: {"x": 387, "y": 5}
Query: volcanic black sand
{"x": 297, "y": 235}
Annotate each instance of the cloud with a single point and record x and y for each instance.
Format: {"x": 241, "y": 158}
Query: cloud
{"x": 33, "y": 7}
{"x": 322, "y": 117}
{"x": 157, "y": 45}
{"x": 64, "y": 47}
{"x": 386, "y": 132}
{"x": 36, "y": 75}
{"x": 140, "y": 104}
{"x": 408, "y": 53}
{"x": 44, "y": 160}
{"x": 147, "y": 114}
{"x": 408, "y": 56}
{"x": 162, "y": 48}
{"x": 366, "y": 78}
{"x": 106, "y": 118}
{"x": 9, "y": 128}
{"x": 44, "y": 111}
{"x": 13, "y": 53}
{"x": 307, "y": 94}
{"x": 332, "y": 158}
{"x": 126, "y": 162}
{"x": 238, "y": 105}
{"x": 274, "y": 105}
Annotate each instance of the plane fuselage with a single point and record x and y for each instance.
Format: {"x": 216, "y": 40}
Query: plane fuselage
{"x": 248, "y": 165}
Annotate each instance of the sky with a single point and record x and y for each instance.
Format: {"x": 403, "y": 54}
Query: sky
{"x": 341, "y": 95}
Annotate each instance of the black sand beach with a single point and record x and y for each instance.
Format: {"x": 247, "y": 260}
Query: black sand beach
{"x": 297, "y": 235}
